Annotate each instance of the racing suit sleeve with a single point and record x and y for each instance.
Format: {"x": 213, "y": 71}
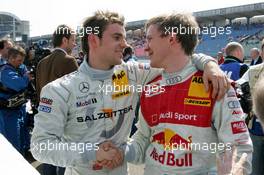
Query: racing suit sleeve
{"x": 136, "y": 148}
{"x": 200, "y": 60}
{"x": 244, "y": 78}
{"x": 228, "y": 120}
{"x": 47, "y": 145}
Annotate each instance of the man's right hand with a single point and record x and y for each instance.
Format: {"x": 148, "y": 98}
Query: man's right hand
{"x": 109, "y": 155}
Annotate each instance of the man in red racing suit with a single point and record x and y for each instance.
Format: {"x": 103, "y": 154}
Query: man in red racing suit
{"x": 181, "y": 128}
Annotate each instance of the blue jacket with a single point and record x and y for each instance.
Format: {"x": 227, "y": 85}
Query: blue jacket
{"x": 233, "y": 67}
{"x": 14, "y": 79}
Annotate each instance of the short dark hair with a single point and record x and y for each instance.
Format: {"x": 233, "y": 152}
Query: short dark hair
{"x": 128, "y": 51}
{"x": 61, "y": 32}
{"x": 188, "y": 39}
{"x": 2, "y": 43}
{"x": 16, "y": 50}
{"x": 100, "y": 20}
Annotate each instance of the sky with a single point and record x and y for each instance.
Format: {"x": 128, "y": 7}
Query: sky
{"x": 45, "y": 15}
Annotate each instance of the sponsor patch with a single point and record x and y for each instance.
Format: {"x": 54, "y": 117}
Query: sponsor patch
{"x": 233, "y": 104}
{"x": 238, "y": 127}
{"x": 47, "y": 101}
{"x": 169, "y": 139}
{"x": 197, "y": 102}
{"x": 120, "y": 94}
{"x": 237, "y": 112}
{"x": 86, "y": 102}
{"x": 170, "y": 159}
{"x": 107, "y": 113}
{"x": 197, "y": 88}
{"x": 174, "y": 80}
{"x": 81, "y": 97}
{"x": 84, "y": 87}
{"x": 119, "y": 80}
{"x": 44, "y": 108}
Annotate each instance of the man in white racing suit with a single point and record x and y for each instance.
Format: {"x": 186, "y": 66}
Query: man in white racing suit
{"x": 83, "y": 109}
{"x": 187, "y": 127}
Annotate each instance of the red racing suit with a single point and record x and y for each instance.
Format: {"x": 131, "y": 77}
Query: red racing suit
{"x": 181, "y": 128}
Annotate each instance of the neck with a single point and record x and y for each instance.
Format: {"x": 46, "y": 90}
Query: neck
{"x": 96, "y": 63}
{"x": 176, "y": 63}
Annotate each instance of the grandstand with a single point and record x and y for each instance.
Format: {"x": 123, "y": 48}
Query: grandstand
{"x": 13, "y": 27}
{"x": 244, "y": 24}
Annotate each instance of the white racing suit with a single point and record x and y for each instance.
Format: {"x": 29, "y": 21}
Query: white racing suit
{"x": 185, "y": 129}
{"x": 83, "y": 109}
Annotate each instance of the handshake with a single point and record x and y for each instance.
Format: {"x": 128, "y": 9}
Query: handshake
{"x": 108, "y": 156}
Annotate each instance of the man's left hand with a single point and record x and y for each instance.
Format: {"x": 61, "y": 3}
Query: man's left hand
{"x": 213, "y": 73}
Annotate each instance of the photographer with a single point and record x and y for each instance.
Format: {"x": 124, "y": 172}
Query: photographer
{"x": 14, "y": 81}
{"x": 247, "y": 83}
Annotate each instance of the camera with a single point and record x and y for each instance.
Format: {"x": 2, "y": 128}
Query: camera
{"x": 245, "y": 98}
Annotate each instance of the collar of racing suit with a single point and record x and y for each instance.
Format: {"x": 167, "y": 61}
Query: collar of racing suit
{"x": 95, "y": 74}
{"x": 169, "y": 79}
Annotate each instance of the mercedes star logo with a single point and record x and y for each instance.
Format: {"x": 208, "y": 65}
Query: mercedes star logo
{"x": 84, "y": 87}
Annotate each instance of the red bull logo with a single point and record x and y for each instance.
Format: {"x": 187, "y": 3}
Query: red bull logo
{"x": 172, "y": 141}
{"x": 170, "y": 159}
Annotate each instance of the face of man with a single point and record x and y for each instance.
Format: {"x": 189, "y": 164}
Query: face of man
{"x": 7, "y": 46}
{"x": 253, "y": 54}
{"x": 70, "y": 44}
{"x": 110, "y": 47}
{"x": 156, "y": 46}
{"x": 16, "y": 61}
{"x": 31, "y": 54}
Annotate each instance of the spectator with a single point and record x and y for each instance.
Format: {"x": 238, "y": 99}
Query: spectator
{"x": 255, "y": 56}
{"x": 80, "y": 58}
{"x": 5, "y": 45}
{"x": 249, "y": 80}
{"x": 29, "y": 59}
{"x": 14, "y": 82}
{"x": 59, "y": 62}
{"x": 128, "y": 54}
{"x": 233, "y": 65}
{"x": 56, "y": 65}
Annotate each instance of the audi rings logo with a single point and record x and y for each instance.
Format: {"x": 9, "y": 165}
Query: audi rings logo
{"x": 84, "y": 87}
{"x": 174, "y": 80}
{"x": 233, "y": 104}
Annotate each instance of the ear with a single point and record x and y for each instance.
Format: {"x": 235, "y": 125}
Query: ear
{"x": 64, "y": 41}
{"x": 93, "y": 40}
{"x": 173, "y": 39}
